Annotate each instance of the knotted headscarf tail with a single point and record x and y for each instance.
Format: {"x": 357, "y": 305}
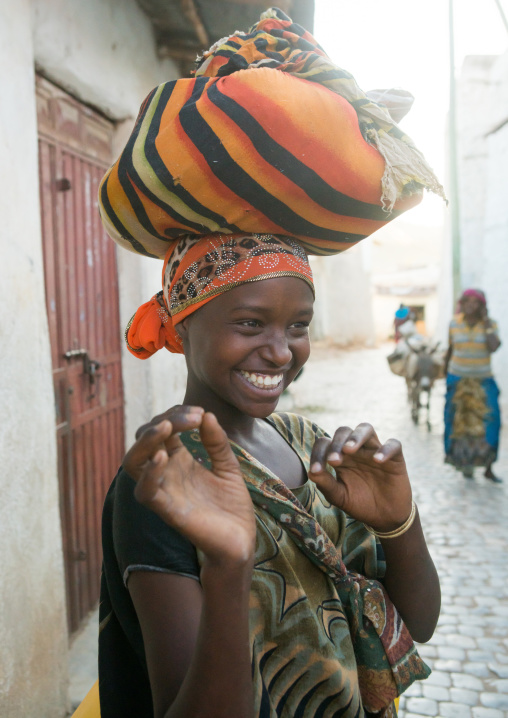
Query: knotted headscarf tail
{"x": 269, "y": 136}
{"x": 195, "y": 272}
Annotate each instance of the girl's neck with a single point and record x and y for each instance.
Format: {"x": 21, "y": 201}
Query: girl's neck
{"x": 235, "y": 423}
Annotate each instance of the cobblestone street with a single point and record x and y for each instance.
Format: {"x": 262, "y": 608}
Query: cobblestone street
{"x": 465, "y": 523}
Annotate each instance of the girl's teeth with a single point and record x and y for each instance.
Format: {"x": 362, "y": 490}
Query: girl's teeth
{"x": 262, "y": 380}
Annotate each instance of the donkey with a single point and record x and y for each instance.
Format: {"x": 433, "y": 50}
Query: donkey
{"x": 422, "y": 369}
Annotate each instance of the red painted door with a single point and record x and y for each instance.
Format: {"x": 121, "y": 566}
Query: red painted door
{"x": 82, "y": 306}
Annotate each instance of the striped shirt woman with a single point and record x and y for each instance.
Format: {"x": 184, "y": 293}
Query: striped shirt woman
{"x": 472, "y": 415}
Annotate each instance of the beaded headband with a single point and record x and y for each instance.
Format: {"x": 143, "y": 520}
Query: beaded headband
{"x": 195, "y": 272}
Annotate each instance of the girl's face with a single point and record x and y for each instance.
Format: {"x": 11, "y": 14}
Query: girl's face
{"x": 247, "y": 345}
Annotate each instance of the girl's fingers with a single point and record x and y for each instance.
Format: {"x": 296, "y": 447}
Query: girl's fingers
{"x": 345, "y": 440}
{"x": 318, "y": 454}
{"x": 389, "y": 450}
{"x": 340, "y": 438}
{"x": 173, "y": 443}
{"x": 331, "y": 487}
{"x": 363, "y": 436}
{"x": 217, "y": 445}
{"x": 146, "y": 446}
{"x": 183, "y": 418}
{"x": 148, "y": 485}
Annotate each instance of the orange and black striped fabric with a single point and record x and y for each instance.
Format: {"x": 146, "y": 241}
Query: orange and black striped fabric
{"x": 271, "y": 147}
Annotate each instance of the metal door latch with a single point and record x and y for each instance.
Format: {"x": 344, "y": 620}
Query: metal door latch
{"x": 90, "y": 366}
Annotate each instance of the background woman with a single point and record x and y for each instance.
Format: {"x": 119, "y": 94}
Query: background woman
{"x": 472, "y": 415}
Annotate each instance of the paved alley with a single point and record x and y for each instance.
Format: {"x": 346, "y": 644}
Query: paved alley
{"x": 465, "y": 523}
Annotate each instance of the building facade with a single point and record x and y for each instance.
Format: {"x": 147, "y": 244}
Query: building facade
{"x": 482, "y": 135}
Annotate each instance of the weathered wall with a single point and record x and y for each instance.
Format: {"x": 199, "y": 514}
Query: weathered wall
{"x": 33, "y": 634}
{"x": 104, "y": 54}
{"x": 343, "y": 310}
{"x": 151, "y": 385}
{"x": 483, "y": 154}
{"x": 472, "y": 99}
{"x": 495, "y": 246}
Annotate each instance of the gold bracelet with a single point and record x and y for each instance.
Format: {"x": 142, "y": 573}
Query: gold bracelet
{"x": 396, "y": 532}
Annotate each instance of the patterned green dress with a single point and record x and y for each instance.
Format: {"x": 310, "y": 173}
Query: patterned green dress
{"x": 326, "y": 640}
{"x": 305, "y": 603}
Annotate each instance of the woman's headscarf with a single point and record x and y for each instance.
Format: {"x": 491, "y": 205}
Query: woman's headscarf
{"x": 195, "y": 272}
{"x": 476, "y": 293}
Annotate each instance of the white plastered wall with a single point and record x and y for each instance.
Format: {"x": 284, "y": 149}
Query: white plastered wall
{"x": 33, "y": 633}
{"x": 343, "y": 309}
{"x": 483, "y": 155}
{"x": 472, "y": 121}
{"x": 495, "y": 244}
{"x": 102, "y": 52}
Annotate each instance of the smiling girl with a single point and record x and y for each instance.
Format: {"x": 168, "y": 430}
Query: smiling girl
{"x": 255, "y": 567}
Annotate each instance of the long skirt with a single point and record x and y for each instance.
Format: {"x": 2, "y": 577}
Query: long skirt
{"x": 472, "y": 421}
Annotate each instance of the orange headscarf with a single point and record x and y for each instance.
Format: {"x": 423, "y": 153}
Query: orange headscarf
{"x": 195, "y": 272}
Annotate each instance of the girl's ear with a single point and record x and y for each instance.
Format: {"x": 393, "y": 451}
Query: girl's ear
{"x": 182, "y": 328}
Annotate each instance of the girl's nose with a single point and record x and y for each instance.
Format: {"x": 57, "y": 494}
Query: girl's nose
{"x": 276, "y": 350}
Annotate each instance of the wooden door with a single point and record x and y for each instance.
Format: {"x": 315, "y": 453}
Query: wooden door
{"x": 82, "y": 306}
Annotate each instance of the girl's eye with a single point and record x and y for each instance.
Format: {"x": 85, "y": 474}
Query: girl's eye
{"x": 302, "y": 326}
{"x": 251, "y": 323}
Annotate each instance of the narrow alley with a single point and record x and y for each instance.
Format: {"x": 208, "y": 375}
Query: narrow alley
{"x": 464, "y": 522}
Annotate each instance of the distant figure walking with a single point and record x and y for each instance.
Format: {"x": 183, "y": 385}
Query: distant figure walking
{"x": 472, "y": 415}
{"x": 401, "y": 315}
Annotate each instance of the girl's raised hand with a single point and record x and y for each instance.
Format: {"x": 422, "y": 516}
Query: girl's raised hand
{"x": 370, "y": 483}
{"x": 182, "y": 416}
{"x": 213, "y": 508}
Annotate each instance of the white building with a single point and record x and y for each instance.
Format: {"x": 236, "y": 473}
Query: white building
{"x": 405, "y": 266}
{"x": 343, "y": 309}
{"x": 482, "y": 118}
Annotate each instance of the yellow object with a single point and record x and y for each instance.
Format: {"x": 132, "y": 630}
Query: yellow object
{"x": 89, "y": 706}
{"x": 397, "y": 532}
